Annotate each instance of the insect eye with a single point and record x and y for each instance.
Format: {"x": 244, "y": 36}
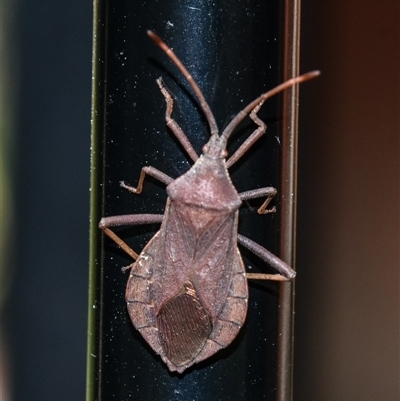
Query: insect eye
{"x": 224, "y": 153}
{"x": 205, "y": 148}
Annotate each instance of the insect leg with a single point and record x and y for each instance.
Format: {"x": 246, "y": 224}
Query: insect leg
{"x": 242, "y": 114}
{"x": 151, "y": 171}
{"x": 203, "y": 104}
{"x": 286, "y": 272}
{"x": 255, "y": 136}
{"x": 173, "y": 125}
{"x": 269, "y": 192}
{"x": 127, "y": 220}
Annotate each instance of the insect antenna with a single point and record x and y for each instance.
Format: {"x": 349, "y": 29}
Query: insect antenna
{"x": 203, "y": 103}
{"x": 285, "y": 85}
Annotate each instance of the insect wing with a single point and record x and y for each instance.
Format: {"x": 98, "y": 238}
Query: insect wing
{"x": 199, "y": 244}
{"x": 173, "y": 296}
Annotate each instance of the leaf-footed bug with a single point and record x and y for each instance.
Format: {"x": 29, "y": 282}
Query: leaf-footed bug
{"x": 187, "y": 290}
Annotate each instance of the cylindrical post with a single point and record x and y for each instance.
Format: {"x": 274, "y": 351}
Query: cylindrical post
{"x": 235, "y": 52}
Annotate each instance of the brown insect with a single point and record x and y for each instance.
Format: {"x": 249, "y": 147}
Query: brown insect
{"x": 187, "y": 290}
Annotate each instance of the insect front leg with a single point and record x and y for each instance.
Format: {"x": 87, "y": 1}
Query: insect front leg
{"x": 254, "y": 137}
{"x": 269, "y": 192}
{"x": 173, "y": 125}
{"x": 152, "y": 172}
{"x": 286, "y": 273}
{"x": 127, "y": 220}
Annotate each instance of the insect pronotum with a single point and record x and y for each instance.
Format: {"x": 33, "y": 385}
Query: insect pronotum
{"x": 187, "y": 290}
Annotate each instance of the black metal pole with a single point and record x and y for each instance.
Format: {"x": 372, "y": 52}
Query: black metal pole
{"x": 235, "y": 52}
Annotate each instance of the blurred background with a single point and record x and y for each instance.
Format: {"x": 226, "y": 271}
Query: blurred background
{"x": 347, "y": 302}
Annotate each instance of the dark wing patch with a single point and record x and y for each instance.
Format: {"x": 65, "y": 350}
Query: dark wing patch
{"x": 184, "y": 326}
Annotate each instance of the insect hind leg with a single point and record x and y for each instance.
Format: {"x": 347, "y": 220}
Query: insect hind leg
{"x": 127, "y": 220}
{"x": 286, "y": 273}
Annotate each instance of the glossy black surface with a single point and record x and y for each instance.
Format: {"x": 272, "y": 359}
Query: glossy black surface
{"x": 233, "y": 51}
